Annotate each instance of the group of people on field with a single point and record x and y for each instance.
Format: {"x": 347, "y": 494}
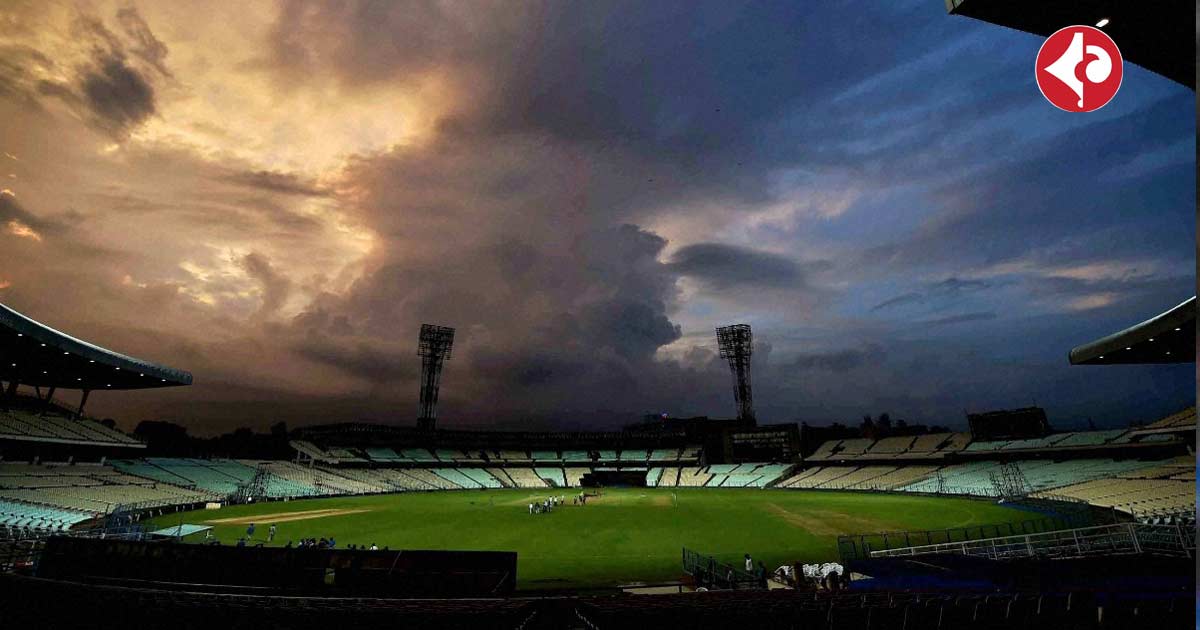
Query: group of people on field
{"x": 547, "y": 505}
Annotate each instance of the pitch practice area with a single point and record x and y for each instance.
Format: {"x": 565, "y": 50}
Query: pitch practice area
{"x": 621, "y": 537}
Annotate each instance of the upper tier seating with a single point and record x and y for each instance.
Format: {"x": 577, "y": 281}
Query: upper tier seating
{"x": 1089, "y": 438}
{"x": 383, "y": 455}
{"x": 633, "y": 455}
{"x": 1181, "y": 420}
{"x": 513, "y": 456}
{"x": 450, "y": 455}
{"x": 664, "y": 455}
{"x": 825, "y": 450}
{"x": 545, "y": 456}
{"x": 52, "y": 424}
{"x": 418, "y": 455}
{"x": 892, "y": 446}
{"x": 576, "y": 456}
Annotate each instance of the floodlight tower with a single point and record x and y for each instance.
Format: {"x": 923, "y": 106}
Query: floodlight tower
{"x": 737, "y": 344}
{"x": 434, "y": 349}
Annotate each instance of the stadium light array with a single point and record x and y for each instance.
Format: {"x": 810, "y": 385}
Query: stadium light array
{"x": 1102, "y": 23}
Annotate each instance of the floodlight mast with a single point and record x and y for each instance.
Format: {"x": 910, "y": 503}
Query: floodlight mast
{"x": 737, "y": 345}
{"x": 434, "y": 347}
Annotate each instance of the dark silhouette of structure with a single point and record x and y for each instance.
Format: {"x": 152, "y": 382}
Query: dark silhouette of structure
{"x": 434, "y": 348}
{"x": 737, "y": 344}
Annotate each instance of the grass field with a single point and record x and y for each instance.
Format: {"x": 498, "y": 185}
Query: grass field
{"x": 625, "y": 536}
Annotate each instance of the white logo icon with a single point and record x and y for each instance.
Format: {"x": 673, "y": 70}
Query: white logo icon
{"x": 1096, "y": 71}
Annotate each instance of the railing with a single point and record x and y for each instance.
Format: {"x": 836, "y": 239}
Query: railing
{"x": 858, "y": 546}
{"x": 714, "y": 574}
{"x": 1120, "y": 539}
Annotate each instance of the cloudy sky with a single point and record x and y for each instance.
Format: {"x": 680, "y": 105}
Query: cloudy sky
{"x": 275, "y": 197}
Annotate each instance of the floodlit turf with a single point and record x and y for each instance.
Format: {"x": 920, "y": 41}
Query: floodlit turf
{"x": 625, "y": 536}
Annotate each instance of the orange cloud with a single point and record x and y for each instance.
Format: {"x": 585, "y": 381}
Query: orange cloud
{"x": 16, "y": 228}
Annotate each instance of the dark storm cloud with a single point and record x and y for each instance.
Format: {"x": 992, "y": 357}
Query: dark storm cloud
{"x": 959, "y": 319}
{"x": 723, "y": 266}
{"x": 558, "y": 147}
{"x": 1057, "y": 197}
{"x": 837, "y": 361}
{"x": 112, "y": 88}
{"x": 119, "y": 96}
{"x": 275, "y": 287}
{"x": 367, "y": 360}
{"x": 947, "y": 290}
{"x": 145, "y": 46}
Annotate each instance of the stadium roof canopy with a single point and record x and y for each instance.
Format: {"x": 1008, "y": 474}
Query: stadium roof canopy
{"x": 32, "y": 353}
{"x": 1166, "y": 338}
{"x": 1159, "y": 36}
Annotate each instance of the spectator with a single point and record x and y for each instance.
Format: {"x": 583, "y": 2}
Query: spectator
{"x": 749, "y": 564}
{"x": 374, "y": 547}
{"x": 271, "y": 533}
{"x": 250, "y": 531}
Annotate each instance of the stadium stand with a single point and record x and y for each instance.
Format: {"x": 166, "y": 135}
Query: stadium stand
{"x": 545, "y": 456}
{"x": 457, "y": 477}
{"x": 889, "y": 448}
{"x": 576, "y": 456}
{"x": 664, "y": 455}
{"x": 574, "y": 476}
{"x": 482, "y": 477}
{"x": 383, "y": 455}
{"x": 519, "y": 457}
{"x": 525, "y": 478}
{"x": 552, "y": 476}
{"x": 1185, "y": 419}
{"x": 693, "y": 477}
{"x": 51, "y": 424}
{"x": 501, "y": 475}
{"x": 418, "y": 455}
{"x": 633, "y": 455}
{"x": 821, "y": 476}
{"x": 652, "y": 477}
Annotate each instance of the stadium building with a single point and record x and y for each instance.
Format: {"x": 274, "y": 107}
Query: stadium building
{"x": 1010, "y": 524}
{"x": 85, "y": 514}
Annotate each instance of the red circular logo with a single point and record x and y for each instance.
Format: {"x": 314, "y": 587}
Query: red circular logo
{"x": 1079, "y": 69}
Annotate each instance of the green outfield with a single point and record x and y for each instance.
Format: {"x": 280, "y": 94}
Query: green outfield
{"x": 624, "y": 536}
